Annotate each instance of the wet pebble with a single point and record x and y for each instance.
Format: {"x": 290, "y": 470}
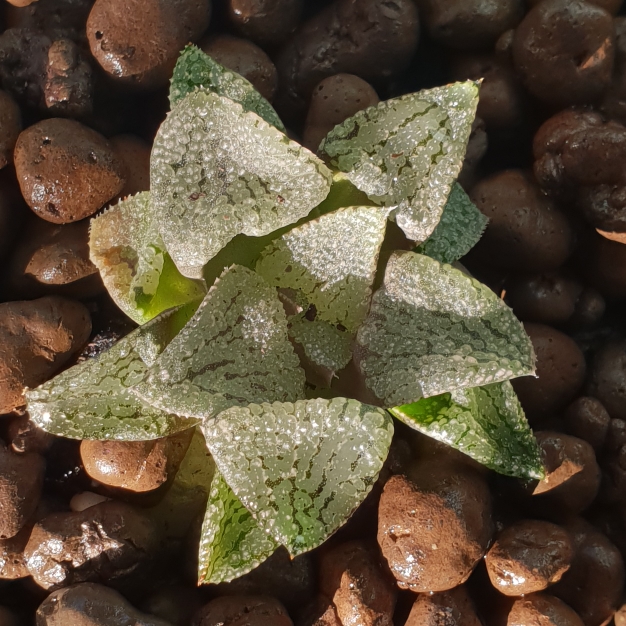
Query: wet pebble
{"x": 608, "y": 378}
{"x": 247, "y": 59}
{"x": 334, "y": 100}
{"x": 528, "y": 556}
{"x": 242, "y": 611}
{"x": 361, "y": 591}
{"x": 113, "y": 30}
{"x": 564, "y": 51}
{"x": 543, "y": 610}
{"x": 38, "y": 337}
{"x": 24, "y": 436}
{"x": 425, "y": 556}
{"x": 586, "y": 418}
{"x": 66, "y": 170}
{"x": 12, "y": 563}
{"x": 88, "y": 604}
{"x": 135, "y": 465}
{"x": 447, "y": 608}
{"x": 10, "y": 127}
{"x": 572, "y": 475}
{"x": 109, "y": 542}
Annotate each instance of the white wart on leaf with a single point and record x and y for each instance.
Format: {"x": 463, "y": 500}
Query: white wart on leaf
{"x": 234, "y": 351}
{"x": 301, "y": 468}
{"x": 407, "y": 152}
{"x": 217, "y": 171}
{"x": 432, "y": 329}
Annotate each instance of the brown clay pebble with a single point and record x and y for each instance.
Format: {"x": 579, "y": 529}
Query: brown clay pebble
{"x": 138, "y": 41}
{"x": 593, "y": 585}
{"x": 12, "y": 563}
{"x": 335, "y": 99}
{"x": 371, "y": 39}
{"x": 21, "y": 3}
{"x": 528, "y": 556}
{"x": 564, "y": 51}
{"x": 602, "y": 262}
{"x": 66, "y": 170}
{"x": 614, "y": 103}
{"x": 434, "y": 529}
{"x": 608, "y": 378}
{"x": 539, "y": 609}
{"x": 266, "y": 22}
{"x": 135, "y": 465}
{"x": 612, "y": 6}
{"x": 53, "y": 258}
{"x": 106, "y": 543}
{"x": 560, "y": 372}
{"x": 500, "y": 104}
{"x": 243, "y": 611}
{"x": 361, "y": 591}
{"x": 247, "y": 59}
{"x": 470, "y": 24}
{"x": 320, "y": 612}
{"x": 134, "y": 152}
{"x": 448, "y": 608}
{"x": 88, "y": 604}
{"x": 525, "y": 231}
{"x": 10, "y": 127}
{"x": 21, "y": 482}
{"x": 586, "y": 418}
{"x": 26, "y": 437}
{"x": 548, "y": 298}
{"x": 620, "y": 616}
{"x": 37, "y": 338}
{"x": 572, "y": 474}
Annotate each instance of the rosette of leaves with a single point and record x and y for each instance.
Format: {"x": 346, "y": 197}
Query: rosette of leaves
{"x": 255, "y": 269}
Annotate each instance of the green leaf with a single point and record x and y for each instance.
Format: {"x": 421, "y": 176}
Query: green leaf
{"x": 459, "y": 230}
{"x": 231, "y": 542}
{"x": 300, "y": 468}
{"x": 432, "y": 329}
{"x": 234, "y": 350}
{"x": 331, "y": 261}
{"x": 195, "y": 69}
{"x": 406, "y": 152}
{"x": 217, "y": 171}
{"x": 93, "y": 400}
{"x": 124, "y": 244}
{"x": 486, "y": 423}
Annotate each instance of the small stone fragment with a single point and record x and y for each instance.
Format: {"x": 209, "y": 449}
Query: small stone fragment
{"x": 66, "y": 170}
{"x": 12, "y": 563}
{"x": 37, "y": 338}
{"x": 247, "y": 59}
{"x": 528, "y": 556}
{"x": 135, "y": 465}
{"x": 242, "y": 611}
{"x": 361, "y": 591}
{"x": 428, "y": 557}
{"x": 108, "y": 543}
{"x": 88, "y": 604}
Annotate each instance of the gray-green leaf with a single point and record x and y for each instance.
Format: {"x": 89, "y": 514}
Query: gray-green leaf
{"x": 432, "y": 329}
{"x": 301, "y": 468}
{"x": 234, "y": 350}
{"x": 459, "y": 230}
{"x": 407, "y": 152}
{"x": 486, "y": 423}
{"x": 125, "y": 245}
{"x": 93, "y": 400}
{"x": 195, "y": 69}
{"x": 217, "y": 171}
{"x": 231, "y": 542}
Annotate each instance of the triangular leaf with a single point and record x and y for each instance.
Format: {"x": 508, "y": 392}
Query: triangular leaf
{"x": 195, "y": 69}
{"x": 486, "y": 423}
{"x": 217, "y": 171}
{"x": 93, "y": 400}
{"x": 407, "y": 152}
{"x": 233, "y": 351}
{"x": 125, "y": 245}
{"x": 231, "y": 542}
{"x": 459, "y": 230}
{"x": 331, "y": 261}
{"x": 432, "y": 329}
{"x": 300, "y": 468}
